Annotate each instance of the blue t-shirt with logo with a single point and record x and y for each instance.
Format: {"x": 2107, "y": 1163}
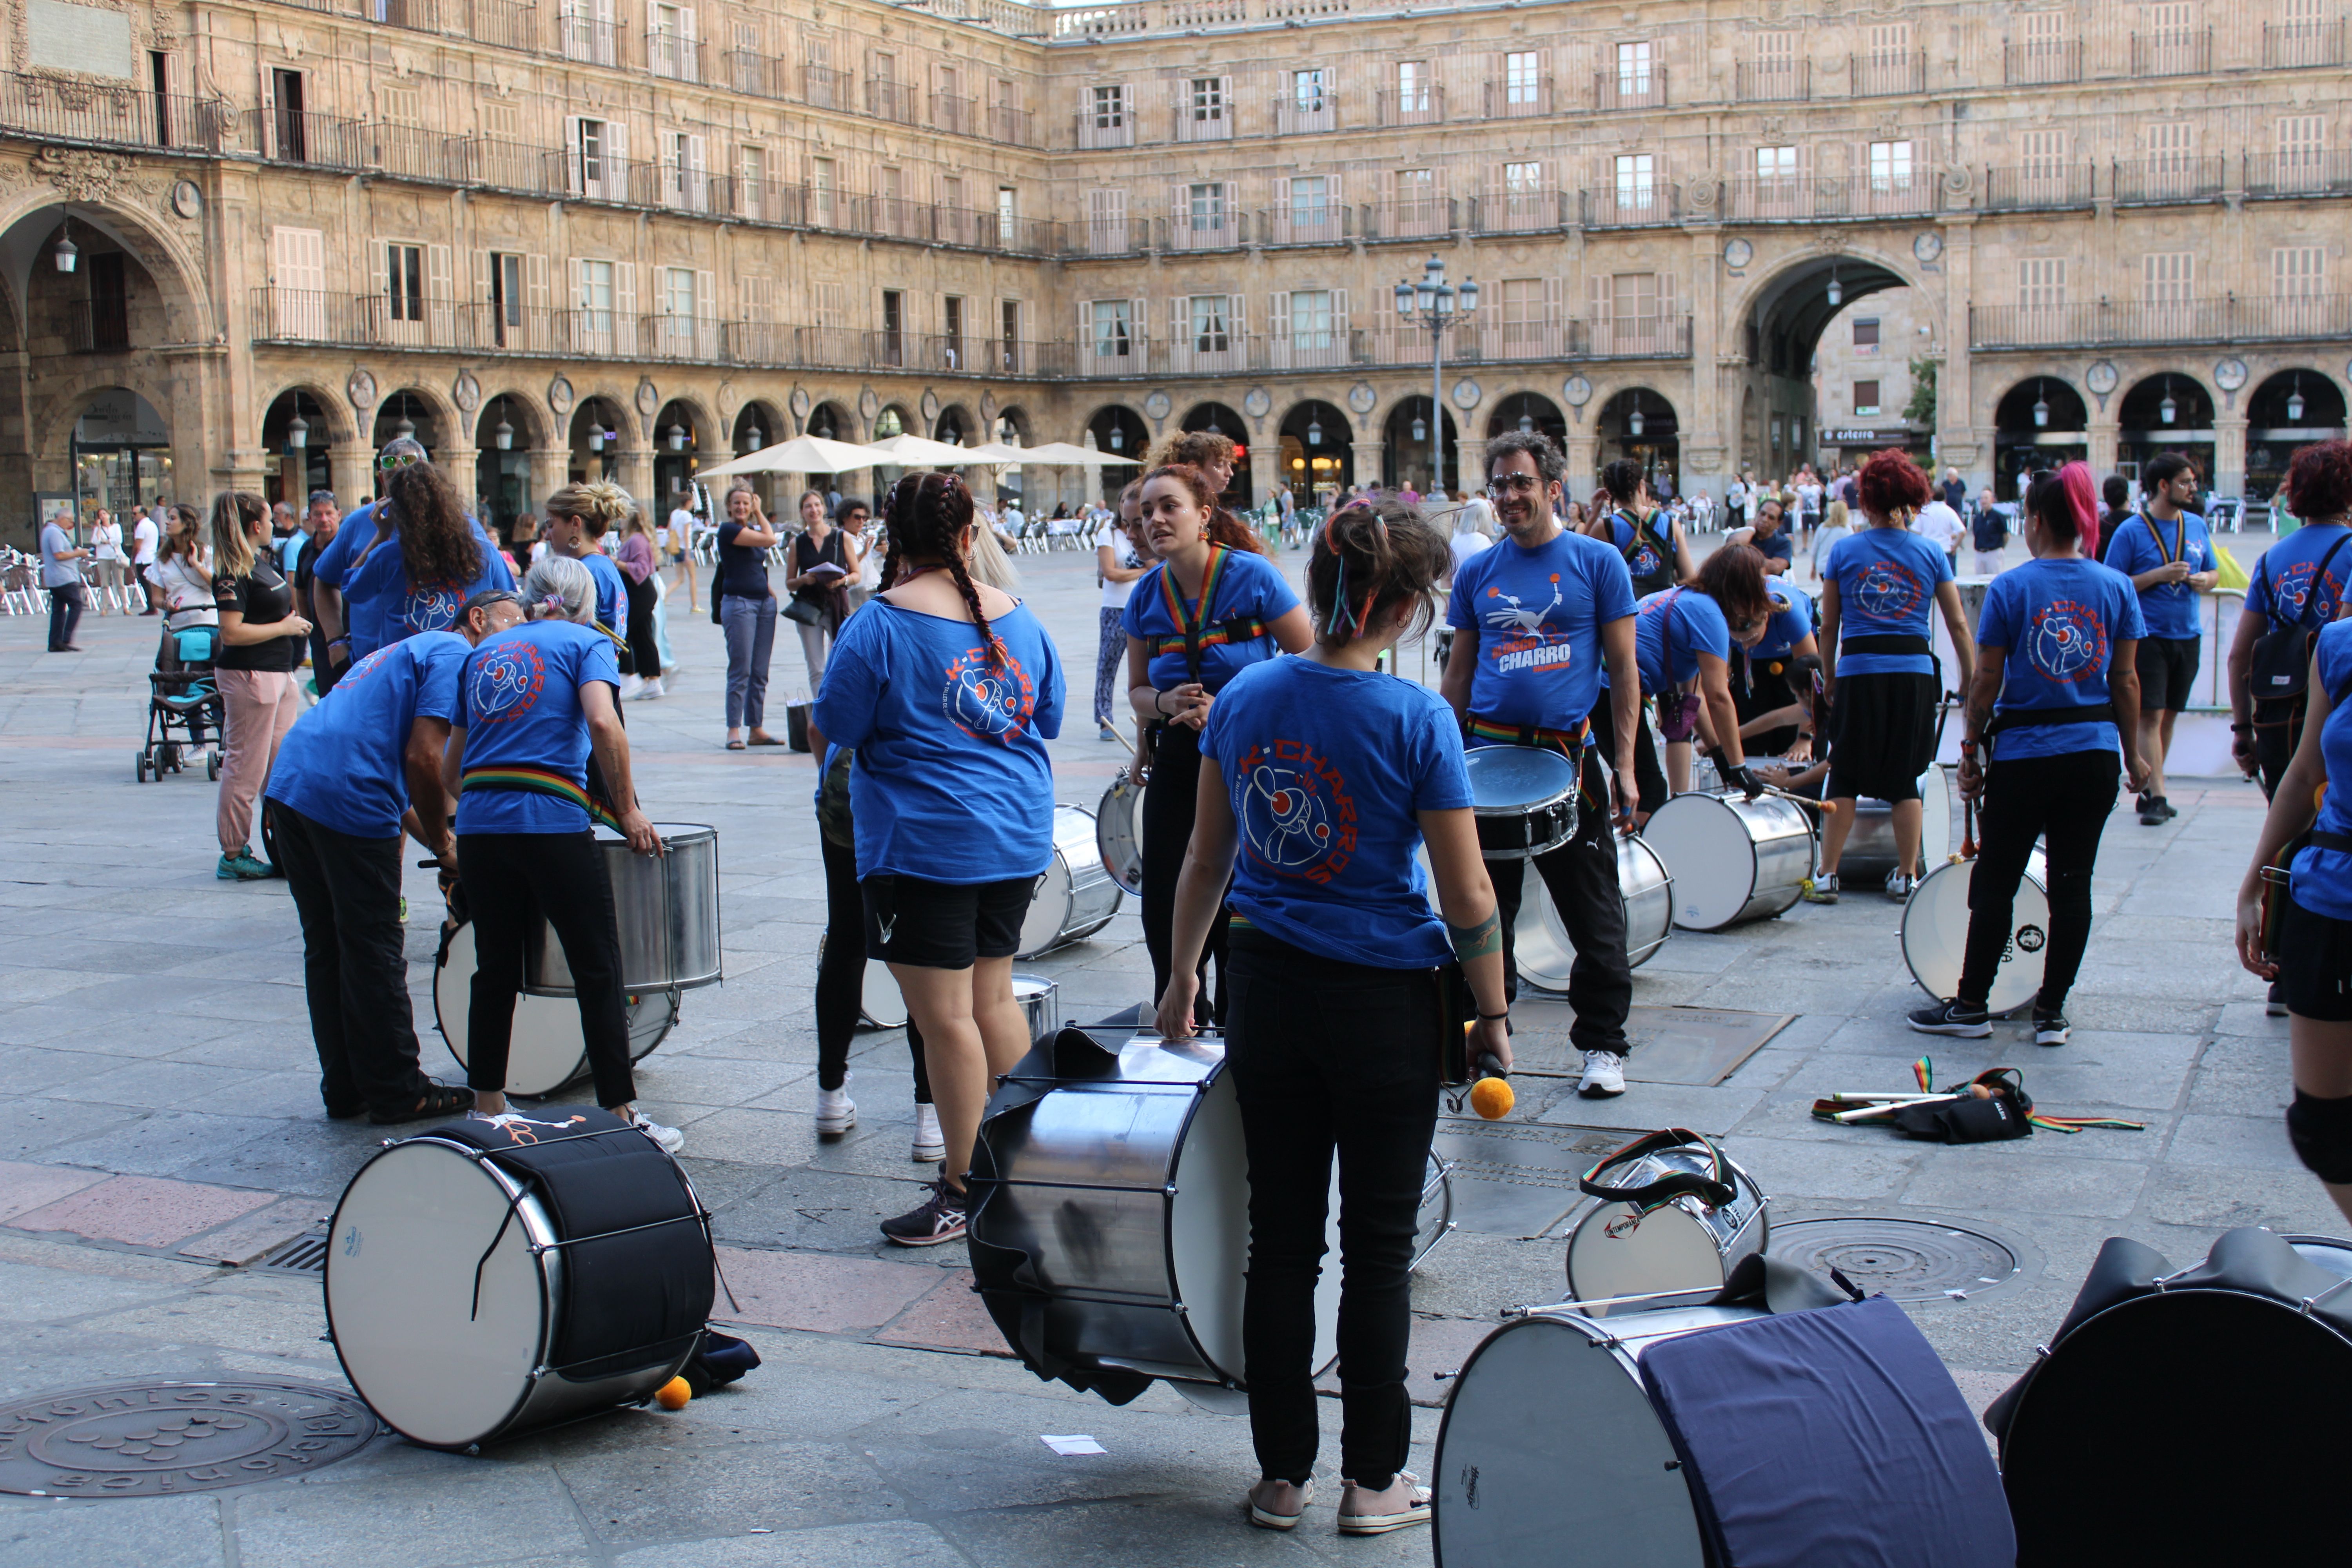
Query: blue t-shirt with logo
{"x": 953, "y": 783}
{"x": 2323, "y": 878}
{"x": 401, "y": 609}
{"x": 2144, "y": 543}
{"x": 1886, "y": 580}
{"x": 343, "y": 765}
{"x": 1242, "y": 587}
{"x": 1792, "y": 622}
{"x": 1685, "y": 621}
{"x": 1534, "y": 619}
{"x": 521, "y": 691}
{"x": 612, "y": 593}
{"x": 2283, "y": 580}
{"x": 1327, "y": 770}
{"x": 1647, "y": 560}
{"x": 2060, "y": 622}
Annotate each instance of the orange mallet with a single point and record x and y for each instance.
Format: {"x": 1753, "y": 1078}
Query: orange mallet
{"x": 672, "y": 1395}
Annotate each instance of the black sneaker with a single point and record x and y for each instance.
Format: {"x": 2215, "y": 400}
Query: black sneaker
{"x": 2153, "y": 811}
{"x": 939, "y": 1217}
{"x": 2050, "y": 1027}
{"x": 1964, "y": 1019}
{"x": 2275, "y": 1006}
{"x": 2165, "y": 803}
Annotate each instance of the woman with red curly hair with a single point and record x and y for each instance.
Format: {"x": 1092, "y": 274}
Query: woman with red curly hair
{"x": 2298, "y": 586}
{"x": 1881, "y": 683}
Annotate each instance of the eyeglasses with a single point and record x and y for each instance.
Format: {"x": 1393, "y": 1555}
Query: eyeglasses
{"x": 1514, "y": 484}
{"x": 391, "y": 461}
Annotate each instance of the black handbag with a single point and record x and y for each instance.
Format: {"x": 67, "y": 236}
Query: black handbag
{"x": 803, "y": 613}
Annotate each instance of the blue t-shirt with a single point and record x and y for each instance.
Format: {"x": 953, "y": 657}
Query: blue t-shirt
{"x": 953, "y": 783}
{"x": 1690, "y": 622}
{"x": 1777, "y": 548}
{"x": 612, "y": 593}
{"x": 289, "y": 552}
{"x": 364, "y": 606}
{"x": 2323, "y": 878}
{"x": 344, "y": 763}
{"x": 2060, "y": 622}
{"x": 1327, "y": 770}
{"x": 2143, "y": 544}
{"x": 1792, "y": 622}
{"x": 402, "y": 608}
{"x": 1886, "y": 580}
{"x": 1647, "y": 561}
{"x": 1244, "y": 586}
{"x": 2283, "y": 578}
{"x": 521, "y": 709}
{"x": 1534, "y": 618}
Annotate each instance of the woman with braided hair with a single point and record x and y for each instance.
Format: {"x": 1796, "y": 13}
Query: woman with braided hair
{"x": 948, "y": 690}
{"x": 1214, "y": 606}
{"x": 1320, "y": 776}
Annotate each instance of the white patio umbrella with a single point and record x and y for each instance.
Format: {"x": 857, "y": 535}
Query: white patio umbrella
{"x": 801, "y": 454}
{"x": 921, "y": 452}
{"x": 1062, "y": 455}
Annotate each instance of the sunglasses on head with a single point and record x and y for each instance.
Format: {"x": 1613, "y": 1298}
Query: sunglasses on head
{"x": 391, "y": 461}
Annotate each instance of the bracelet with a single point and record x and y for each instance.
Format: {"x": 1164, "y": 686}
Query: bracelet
{"x": 1157, "y": 698}
{"x": 1495, "y": 1017}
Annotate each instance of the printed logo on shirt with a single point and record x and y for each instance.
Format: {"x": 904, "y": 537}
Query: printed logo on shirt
{"x": 1536, "y": 649}
{"x": 2068, "y": 641}
{"x": 2292, "y": 592}
{"x": 1888, "y": 591}
{"x": 506, "y": 682}
{"x": 432, "y": 607}
{"x": 1296, "y": 811}
{"x": 361, "y": 669}
{"x": 987, "y": 702}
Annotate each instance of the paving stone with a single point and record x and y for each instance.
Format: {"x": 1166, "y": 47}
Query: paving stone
{"x": 1976, "y": 1179}
{"x": 823, "y": 1210}
{"x": 903, "y": 1543}
{"x": 629, "y": 1497}
{"x": 816, "y": 1292}
{"x": 165, "y": 1142}
{"x": 26, "y": 1187}
{"x": 2257, "y": 1142}
{"x": 113, "y": 1531}
{"x": 468, "y": 1514}
{"x": 141, "y": 1211}
{"x": 246, "y": 1240}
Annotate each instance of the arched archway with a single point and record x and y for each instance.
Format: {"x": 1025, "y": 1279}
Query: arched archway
{"x": 757, "y": 425}
{"x": 1405, "y": 448}
{"x": 1010, "y": 428}
{"x": 2039, "y": 422}
{"x": 2288, "y": 412}
{"x": 413, "y": 413}
{"x": 1798, "y": 381}
{"x": 2167, "y": 412}
{"x": 507, "y": 432}
{"x": 1318, "y": 453}
{"x": 954, "y": 425}
{"x": 598, "y": 429}
{"x": 1117, "y": 429}
{"x": 1531, "y": 411}
{"x": 683, "y": 433}
{"x": 1640, "y": 423}
{"x": 1239, "y": 493}
{"x": 831, "y": 421}
{"x": 119, "y": 446}
{"x": 298, "y": 431}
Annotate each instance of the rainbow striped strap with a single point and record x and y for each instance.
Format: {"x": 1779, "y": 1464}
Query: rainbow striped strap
{"x": 1569, "y": 743}
{"x": 1247, "y": 628}
{"x": 537, "y": 781}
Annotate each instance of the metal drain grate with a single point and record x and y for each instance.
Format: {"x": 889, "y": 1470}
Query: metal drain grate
{"x": 303, "y": 1255}
{"x": 1908, "y": 1259}
{"x": 149, "y": 1439}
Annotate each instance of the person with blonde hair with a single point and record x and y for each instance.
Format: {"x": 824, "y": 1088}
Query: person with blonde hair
{"x": 261, "y": 642}
{"x": 745, "y": 606}
{"x": 638, "y": 565}
{"x": 578, "y": 519}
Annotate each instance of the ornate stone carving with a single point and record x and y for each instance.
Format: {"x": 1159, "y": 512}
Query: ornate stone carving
{"x": 559, "y": 395}
{"x": 1256, "y": 401}
{"x": 466, "y": 392}
{"x": 81, "y": 175}
{"x": 1156, "y": 406}
{"x": 648, "y": 397}
{"x": 361, "y": 389}
{"x": 1362, "y": 398}
{"x": 930, "y": 406}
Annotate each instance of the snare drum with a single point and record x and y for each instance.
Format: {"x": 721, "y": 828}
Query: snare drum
{"x": 1524, "y": 799}
{"x": 1540, "y": 945}
{"x": 546, "y": 1050}
{"x": 666, "y": 908}
{"x": 1936, "y": 934}
{"x": 489, "y": 1277}
{"x": 1676, "y": 1215}
{"x": 1076, "y": 897}
{"x": 1041, "y": 1002}
{"x": 1118, "y": 833}
{"x": 1731, "y": 860}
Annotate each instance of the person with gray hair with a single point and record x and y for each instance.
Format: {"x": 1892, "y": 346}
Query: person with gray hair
{"x": 559, "y": 588}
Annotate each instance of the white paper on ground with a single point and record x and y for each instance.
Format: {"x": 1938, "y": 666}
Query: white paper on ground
{"x": 1076, "y": 1443}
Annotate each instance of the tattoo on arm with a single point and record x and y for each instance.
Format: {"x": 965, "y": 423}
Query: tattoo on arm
{"x": 1477, "y": 941}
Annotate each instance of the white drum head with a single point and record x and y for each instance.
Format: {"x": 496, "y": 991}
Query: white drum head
{"x": 1935, "y": 935}
{"x": 1668, "y": 1250}
{"x": 882, "y": 1005}
{"x": 546, "y": 1050}
{"x": 1049, "y": 910}
{"x": 1708, "y": 852}
{"x": 1935, "y": 816}
{"x": 400, "y": 1295}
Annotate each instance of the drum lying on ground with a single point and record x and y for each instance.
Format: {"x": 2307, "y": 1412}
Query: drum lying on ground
{"x": 1936, "y": 934}
{"x": 1682, "y": 1246}
{"x": 1524, "y": 799}
{"x": 545, "y": 1049}
{"x": 491, "y": 1278}
{"x": 665, "y": 907}
{"x": 881, "y": 1004}
{"x": 1118, "y": 833}
{"x": 1076, "y": 897}
{"x": 1731, "y": 858}
{"x": 1870, "y": 846}
{"x": 1540, "y": 945}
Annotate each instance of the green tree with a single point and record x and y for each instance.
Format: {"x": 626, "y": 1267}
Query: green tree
{"x": 1921, "y": 409}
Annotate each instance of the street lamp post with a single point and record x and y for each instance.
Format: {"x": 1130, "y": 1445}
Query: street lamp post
{"x": 1436, "y": 305}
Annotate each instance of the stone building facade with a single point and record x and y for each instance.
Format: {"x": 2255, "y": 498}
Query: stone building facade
{"x": 629, "y": 235}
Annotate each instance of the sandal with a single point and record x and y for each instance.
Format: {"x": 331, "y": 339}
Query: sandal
{"x": 762, "y": 738}
{"x": 439, "y": 1100}
{"x": 734, "y": 746}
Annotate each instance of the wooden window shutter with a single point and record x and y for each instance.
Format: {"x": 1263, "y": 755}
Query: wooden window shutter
{"x": 1277, "y": 316}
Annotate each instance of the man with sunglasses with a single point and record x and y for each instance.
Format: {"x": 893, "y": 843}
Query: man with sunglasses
{"x": 1541, "y": 614}
{"x": 350, "y": 627}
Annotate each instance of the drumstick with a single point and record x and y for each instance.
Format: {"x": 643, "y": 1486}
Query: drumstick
{"x": 1849, "y": 1096}
{"x": 1967, "y": 829}
{"x": 1868, "y": 1111}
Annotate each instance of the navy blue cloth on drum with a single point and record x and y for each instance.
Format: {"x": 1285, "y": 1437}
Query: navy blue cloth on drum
{"x": 1829, "y": 1439}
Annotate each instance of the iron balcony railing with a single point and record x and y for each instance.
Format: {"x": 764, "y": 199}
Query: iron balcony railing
{"x": 1819, "y": 198}
{"x": 1518, "y": 99}
{"x": 1613, "y": 90}
{"x": 1631, "y": 205}
{"x": 1409, "y": 217}
{"x": 822, "y": 87}
{"x": 2047, "y": 185}
{"x": 2286, "y": 45}
{"x": 2301, "y": 171}
{"x": 2165, "y": 180}
{"x": 1321, "y": 222}
{"x": 1886, "y": 75}
{"x": 1519, "y": 211}
{"x": 756, "y": 74}
{"x": 2182, "y": 53}
{"x": 1423, "y": 105}
{"x": 954, "y": 113}
{"x": 52, "y": 110}
{"x": 1201, "y": 122}
{"x": 1773, "y": 81}
{"x": 591, "y": 39}
{"x": 302, "y": 136}
{"x": 2040, "y": 62}
{"x": 1299, "y": 113}
{"x": 2155, "y": 323}
{"x": 674, "y": 55}
{"x": 1012, "y": 126}
{"x": 893, "y": 101}
{"x": 507, "y": 23}
{"x": 1099, "y": 130}
{"x": 89, "y": 330}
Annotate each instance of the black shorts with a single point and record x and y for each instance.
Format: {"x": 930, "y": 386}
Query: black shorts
{"x": 2314, "y": 957}
{"x": 2167, "y": 668}
{"x": 944, "y": 925}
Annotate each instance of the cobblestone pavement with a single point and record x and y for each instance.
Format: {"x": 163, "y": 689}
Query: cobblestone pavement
{"x": 163, "y": 1130}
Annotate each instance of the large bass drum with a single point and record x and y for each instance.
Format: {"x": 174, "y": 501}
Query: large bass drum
{"x": 1936, "y": 934}
{"x": 1076, "y": 897}
{"x": 1523, "y": 798}
{"x": 1732, "y": 858}
{"x": 1118, "y": 832}
{"x": 488, "y": 1278}
{"x": 546, "y": 1050}
{"x": 1676, "y": 1215}
{"x": 1870, "y": 846}
{"x": 1551, "y": 1455}
{"x": 1540, "y": 945}
{"x": 665, "y": 907}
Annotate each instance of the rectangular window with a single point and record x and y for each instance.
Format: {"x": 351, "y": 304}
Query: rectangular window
{"x": 292, "y": 125}
{"x": 677, "y": 292}
{"x": 1637, "y": 182}
{"x": 2299, "y": 271}
{"x": 1208, "y": 101}
{"x": 405, "y": 286}
{"x": 2045, "y": 156}
{"x": 1310, "y": 319}
{"x": 1776, "y": 163}
{"x": 1309, "y": 91}
{"x": 2045, "y": 34}
{"x": 951, "y": 329}
{"x": 1865, "y": 399}
{"x": 2041, "y": 283}
{"x": 1775, "y": 65}
{"x": 1008, "y": 211}
{"x": 1522, "y": 78}
{"x": 505, "y": 297}
{"x": 894, "y": 322}
{"x": 1208, "y": 333}
{"x": 1110, "y": 108}
{"x": 821, "y": 187}
{"x": 1525, "y": 314}
{"x": 1008, "y": 319}
{"x": 1633, "y": 301}
{"x": 590, "y": 154}
{"x": 2302, "y": 138}
{"x": 1890, "y": 167}
{"x": 1634, "y": 69}
{"x": 2167, "y": 278}
{"x": 1205, "y": 208}
{"x": 1865, "y": 333}
{"x": 596, "y": 296}
{"x": 1107, "y": 121}
{"x": 1412, "y": 87}
{"x": 1114, "y": 328}
{"x": 2172, "y": 147}
{"x": 1309, "y": 201}
{"x": 110, "y": 302}
{"x": 1890, "y": 43}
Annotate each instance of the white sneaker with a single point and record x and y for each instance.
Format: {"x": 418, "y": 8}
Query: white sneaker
{"x": 1604, "y": 1076}
{"x": 629, "y": 685}
{"x": 931, "y": 1143}
{"x": 1899, "y": 885}
{"x": 647, "y": 691}
{"x": 669, "y": 1140}
{"x": 836, "y": 1113}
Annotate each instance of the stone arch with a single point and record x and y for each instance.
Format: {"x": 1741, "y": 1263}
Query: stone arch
{"x": 451, "y": 428}
{"x": 540, "y": 422}
{"x": 176, "y": 263}
{"x": 340, "y": 425}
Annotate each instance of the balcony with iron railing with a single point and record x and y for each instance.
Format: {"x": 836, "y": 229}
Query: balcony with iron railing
{"x": 92, "y": 329}
{"x": 822, "y": 87}
{"x": 1637, "y": 205}
{"x": 2108, "y": 323}
{"x": 1099, "y": 130}
{"x": 1631, "y": 337}
{"x": 2172, "y": 53}
{"x": 1417, "y": 217}
{"x": 1309, "y": 223}
{"x": 755, "y": 73}
{"x": 955, "y": 113}
{"x": 299, "y": 136}
{"x": 591, "y": 39}
{"x": 1773, "y": 81}
{"x": 1614, "y": 91}
{"x": 1526, "y": 99}
{"x": 1207, "y": 228}
{"x": 2045, "y": 185}
{"x": 673, "y": 55}
{"x": 1301, "y": 114}
{"x": 1013, "y": 126}
{"x": 1194, "y": 120}
{"x": 2298, "y": 45}
{"x": 414, "y": 153}
{"x": 2041, "y": 62}
{"x": 2166, "y": 180}
{"x": 505, "y": 24}
{"x": 2302, "y": 171}
{"x": 53, "y": 109}
{"x": 1527, "y": 211}
{"x": 1886, "y": 75}
{"x": 1423, "y": 105}
{"x": 898, "y": 101}
{"x": 1111, "y": 236}
{"x": 1826, "y": 198}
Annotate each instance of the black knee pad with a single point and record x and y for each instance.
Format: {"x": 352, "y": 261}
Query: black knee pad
{"x": 2321, "y": 1131}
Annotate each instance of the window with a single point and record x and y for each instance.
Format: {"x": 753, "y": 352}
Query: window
{"x": 1890, "y": 167}
{"x": 1634, "y": 69}
{"x": 292, "y": 125}
{"x": 2298, "y": 272}
{"x": 596, "y": 295}
{"x": 1310, "y": 319}
{"x": 1865, "y": 334}
{"x": 1522, "y": 79}
{"x": 1776, "y": 164}
{"x": 1110, "y": 108}
{"x": 1309, "y": 90}
{"x": 1107, "y": 222}
{"x": 951, "y": 329}
{"x": 1865, "y": 399}
{"x": 894, "y": 324}
{"x": 677, "y": 292}
{"x": 2041, "y": 283}
{"x": 1208, "y": 333}
{"x": 1106, "y": 122}
{"x": 1522, "y": 195}
{"x": 685, "y": 180}
{"x": 1525, "y": 314}
{"x": 1631, "y": 300}
{"x": 1208, "y": 101}
{"x": 1890, "y": 45}
{"x": 1205, "y": 208}
{"x": 1776, "y": 63}
{"x": 110, "y": 302}
{"x": 404, "y": 286}
{"x": 2166, "y": 278}
{"x": 1008, "y": 313}
{"x": 592, "y": 155}
{"x": 821, "y": 187}
{"x": 1309, "y": 201}
{"x": 2045, "y": 158}
{"x": 2172, "y": 147}
{"x": 2302, "y": 139}
{"x": 1008, "y": 210}
{"x": 2045, "y": 34}
{"x": 1637, "y": 182}
{"x": 1114, "y": 328}
{"x": 1412, "y": 87}
{"x": 506, "y": 298}
{"x": 672, "y": 46}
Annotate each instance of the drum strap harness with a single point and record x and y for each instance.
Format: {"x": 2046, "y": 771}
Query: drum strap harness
{"x": 537, "y": 781}
{"x": 1894, "y": 642}
{"x": 1570, "y": 743}
{"x": 1715, "y": 1191}
{"x": 1194, "y": 631}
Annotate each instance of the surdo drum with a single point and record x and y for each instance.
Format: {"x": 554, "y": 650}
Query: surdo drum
{"x": 1870, "y": 846}
{"x": 1118, "y": 833}
{"x": 546, "y": 1050}
{"x": 1540, "y": 945}
{"x": 1076, "y": 897}
{"x": 1524, "y": 800}
{"x": 1936, "y": 934}
{"x": 1732, "y": 858}
{"x": 1041, "y": 1004}
{"x": 665, "y": 907}
{"x": 489, "y": 1277}
{"x": 1676, "y": 1215}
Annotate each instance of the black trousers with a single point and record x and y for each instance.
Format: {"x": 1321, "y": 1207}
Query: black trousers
{"x": 1649, "y": 777}
{"x": 1167, "y": 806}
{"x": 1331, "y": 1057}
{"x": 65, "y": 615}
{"x": 642, "y": 647}
{"x": 2065, "y": 801}
{"x": 510, "y": 878}
{"x": 841, "y": 975}
{"x": 354, "y": 964}
{"x": 1582, "y": 875}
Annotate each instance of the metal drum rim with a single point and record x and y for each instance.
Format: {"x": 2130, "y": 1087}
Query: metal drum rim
{"x": 1201, "y": 1087}
{"x": 2042, "y": 882}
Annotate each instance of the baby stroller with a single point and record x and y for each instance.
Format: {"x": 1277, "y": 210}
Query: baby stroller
{"x": 184, "y": 700}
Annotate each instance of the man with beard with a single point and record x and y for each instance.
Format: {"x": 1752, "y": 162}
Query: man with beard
{"x": 1542, "y": 612}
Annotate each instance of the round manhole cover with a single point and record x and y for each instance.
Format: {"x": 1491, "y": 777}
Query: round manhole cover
{"x": 149, "y": 1439}
{"x": 1908, "y": 1259}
